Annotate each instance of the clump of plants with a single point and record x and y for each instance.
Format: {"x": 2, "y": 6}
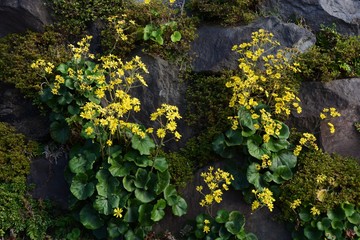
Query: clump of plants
{"x": 224, "y": 12}
{"x": 74, "y": 17}
{"x": 119, "y": 181}
{"x": 20, "y": 214}
{"x": 18, "y": 51}
{"x": 334, "y": 56}
{"x": 155, "y": 26}
{"x": 224, "y": 224}
{"x": 322, "y": 200}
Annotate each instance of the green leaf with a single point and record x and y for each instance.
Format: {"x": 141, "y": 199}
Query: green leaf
{"x": 60, "y": 131}
{"x": 250, "y": 236}
{"x": 145, "y": 215}
{"x": 355, "y": 218}
{"x": 158, "y": 212}
{"x": 255, "y": 150}
{"x": 116, "y": 229}
{"x": 336, "y": 214}
{"x": 282, "y": 173}
{"x": 176, "y": 36}
{"x": 222, "y": 216}
{"x": 253, "y": 175}
{"x": 236, "y": 222}
{"x": 107, "y": 185}
{"x": 160, "y": 164}
{"x": 283, "y": 158}
{"x": 80, "y": 186}
{"x": 106, "y": 205}
{"x": 284, "y": 131}
{"x": 180, "y": 207}
{"x": 312, "y": 233}
{"x": 245, "y": 118}
{"x": 128, "y": 183}
{"x": 143, "y": 145}
{"x": 73, "y": 110}
{"x": 144, "y": 196}
{"x": 337, "y": 224}
{"x": 65, "y": 98}
{"x": 62, "y": 68}
{"x": 305, "y": 215}
{"x": 348, "y": 208}
{"x": 90, "y": 218}
{"x": 326, "y": 223}
{"x": 159, "y": 39}
{"x": 170, "y": 195}
{"x": 220, "y": 147}
{"x": 163, "y": 180}
{"x": 141, "y": 178}
{"x": 81, "y": 164}
{"x": 233, "y": 137}
{"x": 120, "y": 169}
{"x": 275, "y": 145}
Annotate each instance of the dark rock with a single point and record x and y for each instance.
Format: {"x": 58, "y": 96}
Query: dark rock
{"x": 344, "y": 95}
{"x": 19, "y": 15}
{"x": 22, "y": 114}
{"x": 344, "y": 13}
{"x": 213, "y": 46}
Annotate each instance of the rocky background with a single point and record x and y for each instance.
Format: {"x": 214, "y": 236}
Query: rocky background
{"x": 213, "y": 53}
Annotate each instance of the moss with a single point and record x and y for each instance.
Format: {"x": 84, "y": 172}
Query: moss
{"x": 15, "y": 152}
{"x": 334, "y": 56}
{"x": 74, "y": 16}
{"x": 341, "y": 185}
{"x": 18, "y": 51}
{"x": 224, "y": 12}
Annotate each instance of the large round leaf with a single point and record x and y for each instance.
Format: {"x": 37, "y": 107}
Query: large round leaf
{"x": 80, "y": 187}
{"x": 143, "y": 145}
{"x": 180, "y": 207}
{"x": 283, "y": 158}
{"x": 312, "y": 233}
{"x": 90, "y": 218}
{"x": 222, "y": 216}
{"x": 60, "y": 131}
{"x": 145, "y": 215}
{"x": 170, "y": 195}
{"x": 144, "y": 196}
{"x": 160, "y": 164}
{"x": 117, "y": 229}
{"x": 81, "y": 164}
{"x": 141, "y": 178}
{"x": 157, "y": 213}
{"x": 236, "y": 222}
{"x": 106, "y": 205}
{"x": 107, "y": 185}
{"x": 255, "y": 150}
{"x": 163, "y": 180}
{"x": 253, "y": 175}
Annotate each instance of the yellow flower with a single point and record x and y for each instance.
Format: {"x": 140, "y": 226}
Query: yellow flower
{"x": 322, "y": 116}
{"x": 206, "y": 229}
{"x": 89, "y": 131}
{"x": 146, "y": 1}
{"x": 255, "y": 205}
{"x": 206, "y": 221}
{"x": 314, "y": 211}
{"x": 109, "y": 142}
{"x": 161, "y": 133}
{"x": 295, "y": 204}
{"x": 118, "y": 212}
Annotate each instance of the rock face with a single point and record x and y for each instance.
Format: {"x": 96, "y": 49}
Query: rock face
{"x": 344, "y": 95}
{"x": 212, "y": 48}
{"x": 19, "y": 15}
{"x": 344, "y": 13}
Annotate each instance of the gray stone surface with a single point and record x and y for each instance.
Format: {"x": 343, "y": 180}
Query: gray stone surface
{"x": 344, "y": 13}
{"x": 344, "y": 95}
{"x": 19, "y": 15}
{"x": 213, "y": 46}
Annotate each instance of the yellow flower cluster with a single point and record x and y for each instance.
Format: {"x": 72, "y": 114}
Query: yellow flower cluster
{"x": 271, "y": 127}
{"x": 171, "y": 114}
{"x": 216, "y": 182}
{"x": 120, "y": 24}
{"x": 328, "y": 113}
{"x": 296, "y": 203}
{"x": 266, "y": 161}
{"x": 263, "y": 198}
{"x": 206, "y": 226}
{"x": 263, "y": 83}
{"x": 41, "y": 64}
{"x": 308, "y": 140}
{"x": 82, "y": 49}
